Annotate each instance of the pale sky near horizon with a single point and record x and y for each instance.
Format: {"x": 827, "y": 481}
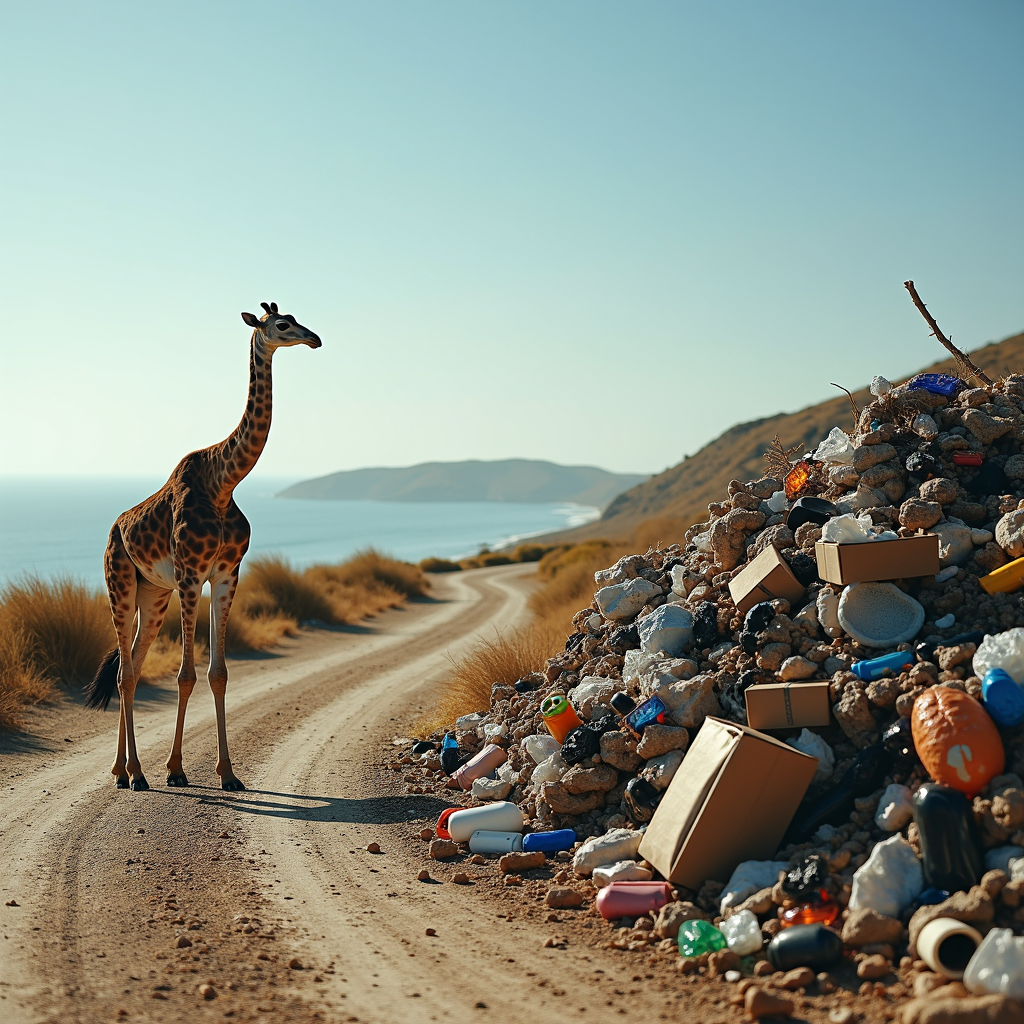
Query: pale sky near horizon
{"x": 589, "y": 232}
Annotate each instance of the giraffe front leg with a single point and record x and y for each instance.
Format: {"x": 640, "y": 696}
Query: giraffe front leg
{"x": 222, "y": 592}
{"x": 189, "y": 591}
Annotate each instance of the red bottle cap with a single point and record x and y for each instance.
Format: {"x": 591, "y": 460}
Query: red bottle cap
{"x": 441, "y": 827}
{"x": 968, "y": 458}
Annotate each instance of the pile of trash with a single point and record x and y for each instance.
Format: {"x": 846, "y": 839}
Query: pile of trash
{"x": 794, "y": 741}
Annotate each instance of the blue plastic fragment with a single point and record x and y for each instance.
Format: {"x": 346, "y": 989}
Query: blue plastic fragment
{"x": 931, "y": 896}
{"x": 937, "y": 384}
{"x": 875, "y": 668}
{"x": 1002, "y": 697}
{"x": 549, "y": 842}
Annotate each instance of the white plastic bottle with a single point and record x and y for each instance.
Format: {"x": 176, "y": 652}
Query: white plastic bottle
{"x": 500, "y": 816}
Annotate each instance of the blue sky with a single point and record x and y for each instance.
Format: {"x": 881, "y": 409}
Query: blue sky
{"x": 583, "y": 231}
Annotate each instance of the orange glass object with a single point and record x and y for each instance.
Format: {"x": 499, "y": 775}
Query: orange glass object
{"x": 559, "y": 716}
{"x": 796, "y": 479}
{"x": 811, "y": 913}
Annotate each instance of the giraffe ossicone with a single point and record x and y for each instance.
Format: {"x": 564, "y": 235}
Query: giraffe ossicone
{"x": 188, "y": 533}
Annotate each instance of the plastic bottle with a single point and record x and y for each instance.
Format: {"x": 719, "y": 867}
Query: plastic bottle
{"x": 483, "y": 841}
{"x": 950, "y": 851}
{"x": 875, "y": 668}
{"x": 631, "y": 899}
{"x": 549, "y": 842}
{"x": 1004, "y": 580}
{"x": 452, "y": 759}
{"x": 478, "y": 766}
{"x": 805, "y": 945}
{"x": 697, "y": 937}
{"x": 500, "y": 816}
{"x": 1002, "y": 697}
{"x": 559, "y": 716}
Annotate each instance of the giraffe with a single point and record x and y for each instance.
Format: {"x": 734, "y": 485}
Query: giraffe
{"x": 189, "y": 532}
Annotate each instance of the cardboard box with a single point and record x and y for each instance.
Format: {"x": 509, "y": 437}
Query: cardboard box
{"x": 766, "y": 577}
{"x": 878, "y": 559}
{"x": 732, "y": 801}
{"x": 788, "y": 705}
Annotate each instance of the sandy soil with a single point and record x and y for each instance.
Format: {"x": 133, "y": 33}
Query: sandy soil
{"x": 196, "y": 904}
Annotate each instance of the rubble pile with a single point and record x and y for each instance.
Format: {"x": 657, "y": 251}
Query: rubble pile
{"x": 930, "y": 459}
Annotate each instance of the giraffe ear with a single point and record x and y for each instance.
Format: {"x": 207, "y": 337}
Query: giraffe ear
{"x": 251, "y": 320}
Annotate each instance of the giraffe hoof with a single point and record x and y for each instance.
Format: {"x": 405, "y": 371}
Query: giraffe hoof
{"x": 231, "y": 785}
{"x": 122, "y": 782}
{"x": 140, "y": 783}
{"x": 177, "y": 779}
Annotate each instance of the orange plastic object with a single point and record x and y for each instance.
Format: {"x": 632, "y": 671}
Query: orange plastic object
{"x": 811, "y": 913}
{"x": 957, "y": 741}
{"x": 796, "y": 479}
{"x": 1006, "y": 579}
{"x": 559, "y": 716}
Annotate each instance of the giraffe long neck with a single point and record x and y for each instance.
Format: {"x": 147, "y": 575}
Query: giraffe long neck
{"x": 239, "y": 452}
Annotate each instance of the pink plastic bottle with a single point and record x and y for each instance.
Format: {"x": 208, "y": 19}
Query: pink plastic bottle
{"x": 482, "y": 764}
{"x": 632, "y": 899}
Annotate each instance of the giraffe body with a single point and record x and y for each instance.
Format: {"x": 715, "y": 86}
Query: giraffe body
{"x": 188, "y": 534}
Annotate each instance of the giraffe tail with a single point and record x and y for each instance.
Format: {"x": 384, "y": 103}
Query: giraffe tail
{"x": 104, "y": 684}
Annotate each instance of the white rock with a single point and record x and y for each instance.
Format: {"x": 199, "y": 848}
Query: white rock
{"x": 879, "y": 614}
{"x": 595, "y": 621}
{"x": 946, "y": 621}
{"x": 827, "y": 604}
{"x": 808, "y": 616}
{"x": 591, "y": 691}
{"x": 889, "y": 880}
{"x": 495, "y": 730}
{"x": 979, "y": 538}
{"x": 811, "y": 743}
{"x": 836, "y": 448}
{"x": 471, "y": 723}
{"x": 749, "y": 877}
{"x": 541, "y": 746}
{"x": 778, "y": 502}
{"x": 880, "y": 386}
{"x": 668, "y": 628}
{"x": 620, "y": 871}
{"x": 635, "y": 662}
{"x": 624, "y": 569}
{"x": 894, "y": 808}
{"x": 618, "y": 844}
{"x": 743, "y": 933}
{"x": 624, "y": 600}
{"x": 955, "y": 542}
{"x": 491, "y": 789}
{"x": 551, "y": 769}
{"x": 797, "y": 668}
{"x": 925, "y": 426}
{"x": 1003, "y": 650}
{"x": 867, "y": 497}
{"x": 690, "y": 701}
{"x": 659, "y": 771}
{"x": 946, "y": 574}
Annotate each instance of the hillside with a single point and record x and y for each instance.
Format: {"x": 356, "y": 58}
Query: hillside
{"x": 684, "y": 491}
{"x": 521, "y": 480}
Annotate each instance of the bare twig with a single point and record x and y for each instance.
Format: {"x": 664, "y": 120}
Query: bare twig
{"x": 853, "y": 404}
{"x": 965, "y": 366}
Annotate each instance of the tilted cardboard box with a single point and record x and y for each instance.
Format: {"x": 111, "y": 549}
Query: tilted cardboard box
{"x": 788, "y": 705}
{"x": 731, "y": 800}
{"x": 766, "y": 577}
{"x": 878, "y": 559}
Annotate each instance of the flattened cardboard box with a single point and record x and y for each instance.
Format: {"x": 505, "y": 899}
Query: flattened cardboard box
{"x": 788, "y": 705}
{"x": 732, "y": 801}
{"x": 878, "y": 559}
{"x": 766, "y": 577}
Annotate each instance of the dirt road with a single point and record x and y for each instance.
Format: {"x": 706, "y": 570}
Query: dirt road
{"x": 193, "y": 903}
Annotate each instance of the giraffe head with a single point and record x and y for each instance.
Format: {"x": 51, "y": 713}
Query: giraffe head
{"x": 280, "y": 330}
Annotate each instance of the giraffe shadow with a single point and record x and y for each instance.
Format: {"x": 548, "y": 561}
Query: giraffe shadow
{"x": 379, "y": 810}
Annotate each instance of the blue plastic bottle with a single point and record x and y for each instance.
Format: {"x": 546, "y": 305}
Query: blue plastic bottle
{"x": 1002, "y": 697}
{"x": 549, "y": 842}
{"x": 875, "y": 668}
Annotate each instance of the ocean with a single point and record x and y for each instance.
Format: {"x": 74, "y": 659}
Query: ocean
{"x": 60, "y": 526}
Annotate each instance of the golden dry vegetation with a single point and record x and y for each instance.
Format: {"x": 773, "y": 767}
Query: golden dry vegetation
{"x": 54, "y": 633}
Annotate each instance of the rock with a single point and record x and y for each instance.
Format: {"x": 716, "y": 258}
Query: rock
{"x": 1014, "y": 467}
{"x": 620, "y": 871}
{"x": 618, "y": 749}
{"x": 974, "y": 907}
{"x": 866, "y": 456}
{"x": 728, "y": 535}
{"x": 969, "y": 1010}
{"x": 759, "y": 1003}
{"x": 423, "y": 876}
{"x": 624, "y": 600}
{"x": 984, "y": 427}
{"x": 793, "y": 669}
{"x": 841, "y": 1015}
{"x": 598, "y": 779}
{"x": 616, "y": 844}
{"x": 773, "y": 655}
{"x": 183, "y": 942}
{"x": 721, "y": 961}
{"x": 853, "y": 713}
{"x": 955, "y": 543}
{"x": 890, "y": 880}
{"x": 295, "y": 964}
{"x": 872, "y": 967}
{"x": 626, "y": 568}
{"x": 1010, "y": 533}
{"x": 673, "y": 915}
{"x": 430, "y": 932}
{"x": 491, "y": 789}
{"x": 882, "y": 693}
{"x": 689, "y": 701}
{"x": 561, "y": 801}
{"x": 801, "y": 977}
{"x": 967, "y": 512}
{"x": 895, "y": 810}
{"x": 207, "y": 991}
{"x": 660, "y": 739}
{"x": 659, "y": 771}
{"x": 866, "y": 926}
{"x": 442, "y": 849}
{"x": 460, "y": 878}
{"x": 918, "y": 514}
{"x": 591, "y": 692}
{"x": 668, "y": 628}
{"x": 925, "y": 426}
{"x": 563, "y": 898}
{"x": 939, "y": 489}
{"x": 373, "y": 848}
{"x": 515, "y": 863}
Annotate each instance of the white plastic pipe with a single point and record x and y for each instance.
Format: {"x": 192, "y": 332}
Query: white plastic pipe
{"x": 934, "y": 949}
{"x": 495, "y": 842}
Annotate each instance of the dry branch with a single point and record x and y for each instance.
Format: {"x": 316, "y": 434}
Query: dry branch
{"x": 965, "y": 367}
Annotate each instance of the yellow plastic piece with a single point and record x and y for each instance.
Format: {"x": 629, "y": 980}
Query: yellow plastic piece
{"x": 1006, "y": 579}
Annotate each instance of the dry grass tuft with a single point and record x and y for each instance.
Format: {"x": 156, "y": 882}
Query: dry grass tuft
{"x": 21, "y": 682}
{"x": 439, "y": 565}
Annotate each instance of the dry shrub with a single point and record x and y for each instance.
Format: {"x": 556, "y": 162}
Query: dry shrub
{"x": 373, "y": 570}
{"x": 248, "y": 629}
{"x": 439, "y": 565}
{"x": 21, "y": 682}
{"x": 659, "y": 532}
{"x": 271, "y": 586}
